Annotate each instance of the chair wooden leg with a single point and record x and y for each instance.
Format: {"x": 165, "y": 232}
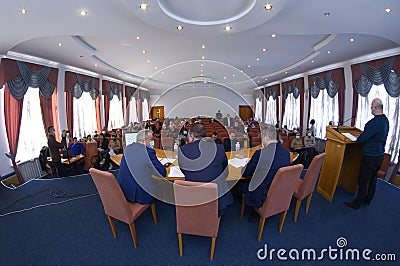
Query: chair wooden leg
{"x": 261, "y": 228}
{"x": 111, "y": 221}
{"x": 133, "y": 233}
{"x": 242, "y": 208}
{"x": 180, "y": 244}
{"x": 212, "y": 248}
{"x": 308, "y": 202}
{"x": 296, "y": 211}
{"x": 282, "y": 221}
{"x": 154, "y": 213}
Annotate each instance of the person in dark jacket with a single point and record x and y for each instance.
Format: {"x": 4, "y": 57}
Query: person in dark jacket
{"x": 372, "y": 141}
{"x": 54, "y": 148}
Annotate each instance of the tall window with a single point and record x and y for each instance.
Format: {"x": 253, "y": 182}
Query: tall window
{"x": 84, "y": 116}
{"x": 324, "y": 109}
{"x": 291, "y": 117}
{"x": 32, "y": 136}
{"x": 270, "y": 113}
{"x": 116, "y": 119}
{"x": 132, "y": 111}
{"x": 391, "y": 108}
{"x": 258, "y": 111}
{"x": 145, "y": 110}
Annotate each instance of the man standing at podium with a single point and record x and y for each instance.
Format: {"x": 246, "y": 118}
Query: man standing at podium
{"x": 372, "y": 141}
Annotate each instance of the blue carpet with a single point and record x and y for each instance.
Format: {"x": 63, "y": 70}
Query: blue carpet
{"x": 69, "y": 228}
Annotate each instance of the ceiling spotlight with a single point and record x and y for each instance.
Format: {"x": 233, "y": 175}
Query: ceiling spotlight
{"x": 202, "y": 65}
{"x": 228, "y": 28}
{"x": 24, "y": 11}
{"x": 83, "y": 13}
{"x": 327, "y": 13}
{"x": 179, "y": 27}
{"x": 155, "y": 68}
{"x": 144, "y": 51}
{"x": 202, "y": 57}
{"x": 95, "y": 65}
{"x": 203, "y": 46}
{"x": 352, "y": 39}
{"x": 258, "y": 59}
{"x": 224, "y": 77}
{"x": 59, "y": 44}
{"x": 148, "y": 61}
{"x": 268, "y": 7}
{"x": 264, "y": 49}
{"x": 387, "y": 10}
{"x": 329, "y": 52}
{"x": 249, "y": 66}
{"x": 285, "y": 72}
{"x": 144, "y": 6}
{"x": 312, "y": 61}
{"x": 273, "y": 35}
{"x": 137, "y": 37}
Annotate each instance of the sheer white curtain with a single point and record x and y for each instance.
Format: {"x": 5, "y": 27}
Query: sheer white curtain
{"x": 391, "y": 108}
{"x": 270, "y": 113}
{"x": 145, "y": 110}
{"x": 291, "y": 117}
{"x": 322, "y": 110}
{"x": 258, "y": 111}
{"x": 116, "y": 118}
{"x": 84, "y": 115}
{"x": 132, "y": 111}
{"x": 32, "y": 136}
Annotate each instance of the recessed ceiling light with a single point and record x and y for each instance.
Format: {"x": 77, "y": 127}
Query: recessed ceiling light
{"x": 224, "y": 77}
{"x": 388, "y": 9}
{"x": 201, "y": 74}
{"x": 241, "y": 71}
{"x": 249, "y": 66}
{"x": 201, "y": 70}
{"x": 264, "y": 49}
{"x": 59, "y": 44}
{"x": 83, "y": 13}
{"x": 266, "y": 79}
{"x": 202, "y": 57}
{"x": 312, "y": 61}
{"x": 138, "y": 37}
{"x": 202, "y": 65}
{"x": 179, "y": 27}
{"x": 352, "y": 39}
{"x": 127, "y": 44}
{"x": 258, "y": 81}
{"x": 148, "y": 61}
{"x": 95, "y": 65}
{"x": 228, "y": 28}
{"x": 23, "y": 11}
{"x": 233, "y": 75}
{"x": 144, "y": 51}
{"x": 327, "y": 13}
{"x": 329, "y": 52}
{"x": 268, "y": 7}
{"x": 144, "y": 6}
{"x": 258, "y": 59}
{"x": 155, "y": 68}
{"x": 203, "y": 46}
{"x": 273, "y": 35}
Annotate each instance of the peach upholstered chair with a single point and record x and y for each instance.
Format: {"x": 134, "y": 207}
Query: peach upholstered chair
{"x": 196, "y": 210}
{"x": 115, "y": 204}
{"x": 305, "y": 187}
{"x": 279, "y": 195}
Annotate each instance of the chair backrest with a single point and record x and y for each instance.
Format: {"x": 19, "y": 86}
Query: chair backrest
{"x": 384, "y": 166}
{"x": 112, "y": 197}
{"x": 255, "y": 141}
{"x": 281, "y": 190}
{"x": 196, "y": 208}
{"x": 310, "y": 179}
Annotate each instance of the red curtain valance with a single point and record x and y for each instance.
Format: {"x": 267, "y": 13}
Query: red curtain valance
{"x": 71, "y": 80}
{"x": 9, "y": 70}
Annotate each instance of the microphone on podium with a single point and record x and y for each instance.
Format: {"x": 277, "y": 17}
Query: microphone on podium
{"x": 341, "y": 123}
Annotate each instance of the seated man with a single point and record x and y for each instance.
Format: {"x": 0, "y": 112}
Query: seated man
{"x": 90, "y": 139}
{"x": 215, "y": 138}
{"x": 76, "y": 147}
{"x": 263, "y": 164}
{"x": 296, "y": 143}
{"x": 230, "y": 143}
{"x": 138, "y": 164}
{"x": 208, "y": 165}
{"x": 114, "y": 145}
{"x": 309, "y": 140}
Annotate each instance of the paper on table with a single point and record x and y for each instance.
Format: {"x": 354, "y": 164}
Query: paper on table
{"x": 175, "y": 171}
{"x": 236, "y": 162}
{"x": 350, "y": 136}
{"x": 166, "y": 160}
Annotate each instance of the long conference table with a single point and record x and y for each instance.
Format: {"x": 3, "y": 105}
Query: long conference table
{"x": 235, "y": 173}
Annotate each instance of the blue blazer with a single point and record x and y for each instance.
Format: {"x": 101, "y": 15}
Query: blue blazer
{"x": 206, "y": 167}
{"x": 134, "y": 176}
{"x": 264, "y": 171}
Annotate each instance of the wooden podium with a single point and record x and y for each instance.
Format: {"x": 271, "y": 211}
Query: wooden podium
{"x": 342, "y": 163}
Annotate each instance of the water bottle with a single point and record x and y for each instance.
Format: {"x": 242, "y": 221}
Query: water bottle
{"x": 237, "y": 148}
{"x": 176, "y": 150}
